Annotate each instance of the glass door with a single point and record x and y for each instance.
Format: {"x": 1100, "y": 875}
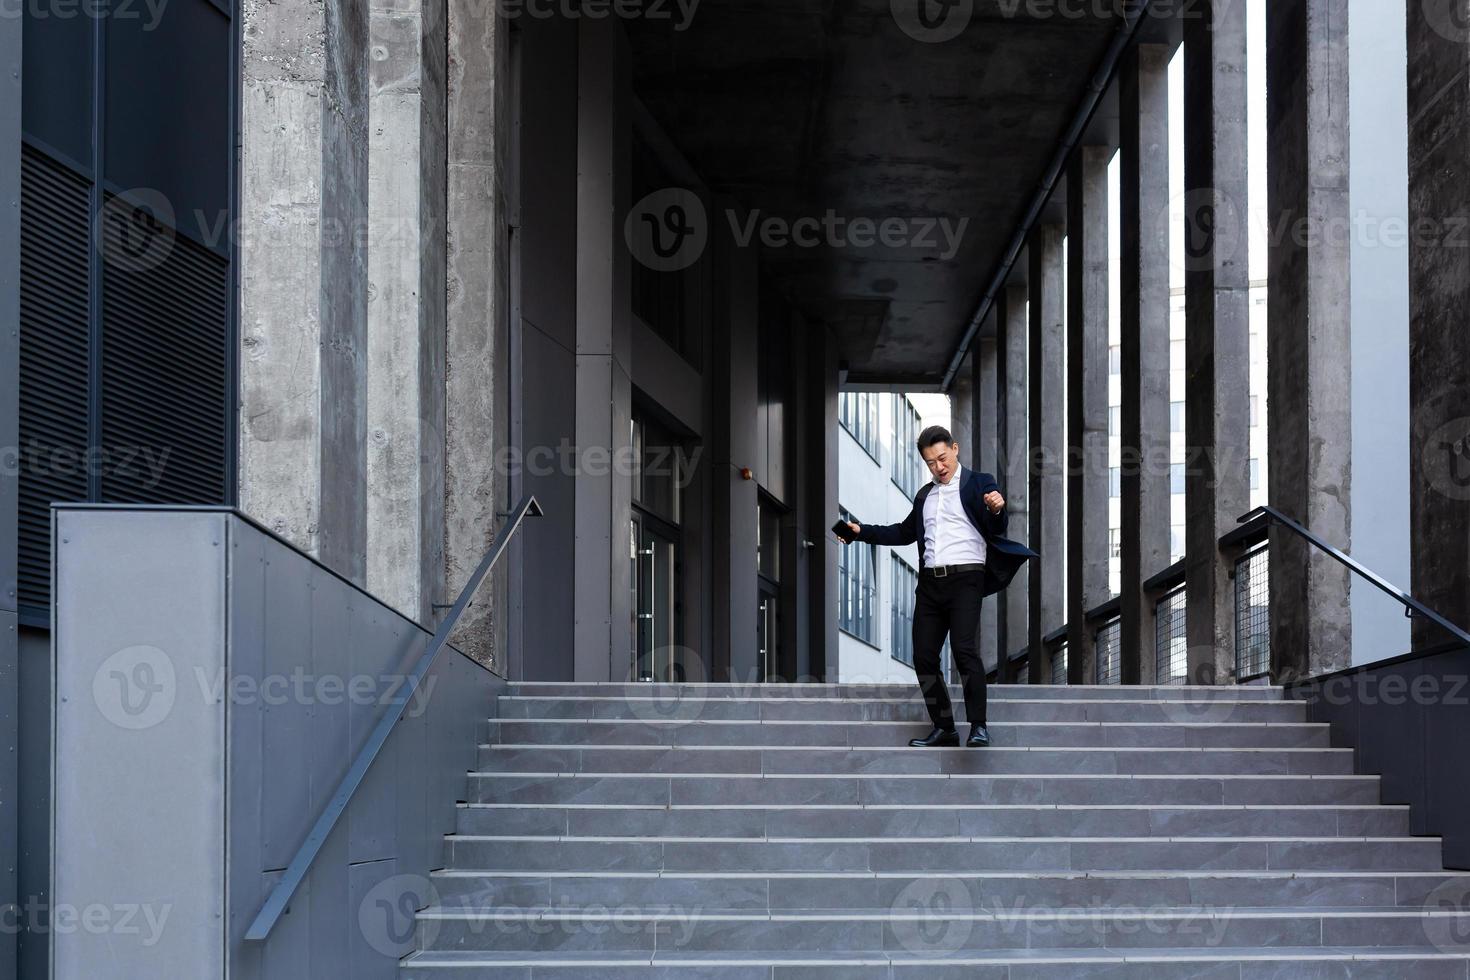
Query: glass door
{"x": 655, "y": 630}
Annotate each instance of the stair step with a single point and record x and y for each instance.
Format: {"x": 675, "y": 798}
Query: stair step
{"x": 999, "y": 890}
{"x": 1421, "y": 963}
{"x": 909, "y": 709}
{"x": 902, "y": 820}
{"x": 778, "y": 759}
{"x": 1030, "y": 734}
{"x": 932, "y": 932}
{"x": 1029, "y": 692}
{"x": 921, "y": 854}
{"x": 556, "y": 787}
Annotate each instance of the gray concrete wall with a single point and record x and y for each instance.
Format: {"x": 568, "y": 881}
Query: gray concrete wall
{"x": 1439, "y": 294}
{"x": 1144, "y": 310}
{"x": 1310, "y": 399}
{"x": 1046, "y": 417}
{"x": 476, "y": 395}
{"x": 1217, "y": 345}
{"x": 1378, "y": 188}
{"x": 1013, "y": 380}
{"x": 1087, "y": 403}
{"x": 405, "y": 318}
{"x": 251, "y": 674}
{"x": 987, "y": 427}
{"x": 303, "y": 282}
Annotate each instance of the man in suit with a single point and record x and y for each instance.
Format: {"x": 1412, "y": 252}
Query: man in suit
{"x": 959, "y": 520}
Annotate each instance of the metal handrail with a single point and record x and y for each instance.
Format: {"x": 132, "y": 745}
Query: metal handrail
{"x": 1411, "y": 605}
{"x": 296, "y": 871}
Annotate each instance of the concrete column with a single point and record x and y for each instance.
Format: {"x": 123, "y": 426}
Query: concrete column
{"x": 820, "y": 389}
{"x": 476, "y": 381}
{"x": 1309, "y": 392}
{"x": 1012, "y": 379}
{"x": 1087, "y": 403}
{"x": 962, "y": 409}
{"x": 734, "y": 391}
{"x": 1439, "y": 294}
{"x": 1217, "y": 345}
{"x": 303, "y": 276}
{"x": 405, "y": 380}
{"x": 1047, "y": 431}
{"x": 604, "y": 389}
{"x": 986, "y": 433}
{"x": 1144, "y": 306}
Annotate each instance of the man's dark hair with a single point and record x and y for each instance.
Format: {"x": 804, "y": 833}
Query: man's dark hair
{"x": 934, "y": 435}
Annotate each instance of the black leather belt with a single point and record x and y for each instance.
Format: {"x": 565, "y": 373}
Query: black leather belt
{"x": 945, "y": 571}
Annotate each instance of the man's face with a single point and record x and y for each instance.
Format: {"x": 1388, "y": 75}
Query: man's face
{"x": 942, "y": 458}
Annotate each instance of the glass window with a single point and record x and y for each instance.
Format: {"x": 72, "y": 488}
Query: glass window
{"x": 906, "y": 464}
{"x": 768, "y": 543}
{"x": 1176, "y": 478}
{"x": 657, "y": 482}
{"x": 1115, "y": 359}
{"x": 857, "y": 411}
{"x": 1176, "y": 416}
{"x": 901, "y": 618}
{"x": 857, "y": 588}
{"x": 1115, "y": 420}
{"x": 1115, "y": 481}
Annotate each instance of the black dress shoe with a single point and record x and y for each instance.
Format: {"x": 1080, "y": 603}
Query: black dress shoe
{"x": 979, "y": 737}
{"x": 938, "y": 737}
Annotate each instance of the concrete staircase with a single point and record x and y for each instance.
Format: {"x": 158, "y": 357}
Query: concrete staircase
{"x": 639, "y": 830}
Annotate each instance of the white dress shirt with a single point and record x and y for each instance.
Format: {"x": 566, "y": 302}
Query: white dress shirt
{"x": 949, "y": 537}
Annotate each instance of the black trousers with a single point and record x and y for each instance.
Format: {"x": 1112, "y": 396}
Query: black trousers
{"x": 949, "y": 605}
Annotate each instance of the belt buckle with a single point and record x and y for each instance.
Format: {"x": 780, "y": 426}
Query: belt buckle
{"x": 941, "y": 571}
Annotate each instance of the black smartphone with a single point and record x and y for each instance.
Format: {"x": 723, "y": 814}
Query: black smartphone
{"x": 843, "y": 532}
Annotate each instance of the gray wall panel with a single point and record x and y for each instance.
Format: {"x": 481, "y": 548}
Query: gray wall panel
{"x": 10, "y": 107}
{"x": 148, "y": 574}
{"x": 34, "y": 865}
{"x": 549, "y": 375}
{"x": 140, "y": 610}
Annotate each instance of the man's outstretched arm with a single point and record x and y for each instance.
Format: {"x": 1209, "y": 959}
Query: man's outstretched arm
{"x": 906, "y": 532}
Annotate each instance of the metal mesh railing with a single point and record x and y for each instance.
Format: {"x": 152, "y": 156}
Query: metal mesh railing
{"x": 1109, "y": 645}
{"x": 1171, "y": 650}
{"x": 1059, "y": 663}
{"x": 1253, "y": 614}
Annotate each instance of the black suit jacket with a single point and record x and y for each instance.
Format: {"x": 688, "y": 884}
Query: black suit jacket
{"x": 1003, "y": 557}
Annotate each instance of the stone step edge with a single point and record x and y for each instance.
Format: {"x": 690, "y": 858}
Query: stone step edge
{"x": 1172, "y": 807}
{"x": 1016, "y": 957}
{"x": 981, "y": 839}
{"x": 558, "y": 774}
